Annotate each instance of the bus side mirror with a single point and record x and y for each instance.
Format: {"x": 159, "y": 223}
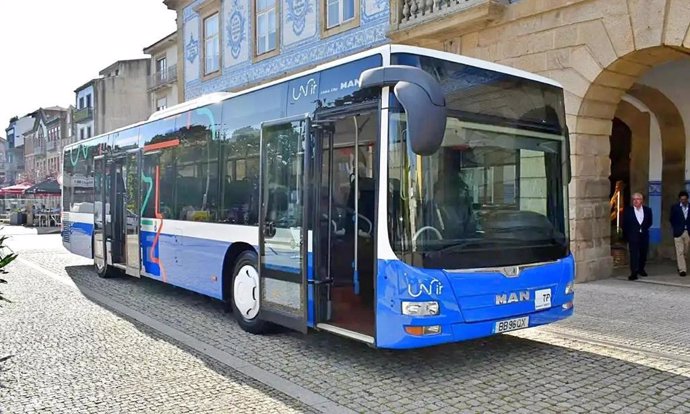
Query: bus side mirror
{"x": 422, "y": 98}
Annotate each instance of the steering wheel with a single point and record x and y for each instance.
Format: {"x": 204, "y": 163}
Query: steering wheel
{"x": 425, "y": 228}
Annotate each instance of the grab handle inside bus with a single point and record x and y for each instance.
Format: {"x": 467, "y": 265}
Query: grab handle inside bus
{"x": 422, "y": 98}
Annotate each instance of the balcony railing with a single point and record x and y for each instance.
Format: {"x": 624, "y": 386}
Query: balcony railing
{"x": 410, "y": 18}
{"x": 83, "y": 114}
{"x": 163, "y": 78}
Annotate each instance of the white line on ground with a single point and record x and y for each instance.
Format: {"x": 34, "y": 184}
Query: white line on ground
{"x": 288, "y": 388}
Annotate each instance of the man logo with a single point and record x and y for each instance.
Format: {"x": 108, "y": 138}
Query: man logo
{"x": 513, "y": 297}
{"x": 349, "y": 84}
{"x": 511, "y": 271}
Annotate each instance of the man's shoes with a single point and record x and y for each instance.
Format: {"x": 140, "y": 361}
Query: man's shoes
{"x": 643, "y": 273}
{"x": 632, "y": 277}
{"x": 682, "y": 274}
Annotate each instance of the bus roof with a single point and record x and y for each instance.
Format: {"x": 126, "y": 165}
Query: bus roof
{"x": 385, "y": 50}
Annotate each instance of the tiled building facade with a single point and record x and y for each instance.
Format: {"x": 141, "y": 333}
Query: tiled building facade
{"x": 231, "y": 44}
{"x": 623, "y": 64}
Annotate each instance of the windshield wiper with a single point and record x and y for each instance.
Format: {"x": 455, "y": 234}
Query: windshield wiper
{"x": 480, "y": 241}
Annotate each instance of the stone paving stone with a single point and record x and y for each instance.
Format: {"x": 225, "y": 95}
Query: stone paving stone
{"x": 604, "y": 359}
{"x": 72, "y": 356}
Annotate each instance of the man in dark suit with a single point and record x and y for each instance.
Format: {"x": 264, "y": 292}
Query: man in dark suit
{"x": 680, "y": 223}
{"x": 636, "y": 223}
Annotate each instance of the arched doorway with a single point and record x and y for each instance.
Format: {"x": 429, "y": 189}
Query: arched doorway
{"x": 598, "y": 50}
{"x": 647, "y": 139}
{"x": 620, "y": 185}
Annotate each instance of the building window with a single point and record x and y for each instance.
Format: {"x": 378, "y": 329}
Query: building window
{"x": 211, "y": 44}
{"x": 339, "y": 16}
{"x": 81, "y": 134}
{"x": 162, "y": 68}
{"x": 88, "y": 131}
{"x": 266, "y": 26}
{"x": 339, "y": 12}
{"x": 88, "y": 101}
{"x": 161, "y": 103}
{"x": 81, "y": 102}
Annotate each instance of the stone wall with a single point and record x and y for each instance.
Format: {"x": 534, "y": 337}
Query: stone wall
{"x": 596, "y": 49}
{"x": 122, "y": 99}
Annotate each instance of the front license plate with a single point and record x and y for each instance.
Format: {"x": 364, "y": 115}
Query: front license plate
{"x": 542, "y": 299}
{"x": 511, "y": 324}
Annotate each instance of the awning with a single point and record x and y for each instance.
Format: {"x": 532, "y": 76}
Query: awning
{"x": 45, "y": 187}
{"x": 16, "y": 189}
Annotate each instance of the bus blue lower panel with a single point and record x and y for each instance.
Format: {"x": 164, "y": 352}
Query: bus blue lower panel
{"x": 470, "y": 303}
{"x": 77, "y": 237}
{"x": 188, "y": 262}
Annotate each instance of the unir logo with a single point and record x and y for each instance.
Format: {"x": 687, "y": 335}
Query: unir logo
{"x": 432, "y": 287}
{"x": 307, "y": 89}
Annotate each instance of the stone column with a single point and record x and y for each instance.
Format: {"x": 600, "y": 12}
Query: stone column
{"x": 589, "y": 209}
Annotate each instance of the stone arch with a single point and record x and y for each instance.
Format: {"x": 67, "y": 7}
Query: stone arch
{"x": 673, "y": 141}
{"x": 590, "y": 119}
{"x": 608, "y": 46}
{"x": 639, "y": 123}
{"x": 619, "y": 48}
{"x": 596, "y": 49}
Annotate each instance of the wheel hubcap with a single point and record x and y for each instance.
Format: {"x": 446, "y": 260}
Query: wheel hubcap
{"x": 246, "y": 292}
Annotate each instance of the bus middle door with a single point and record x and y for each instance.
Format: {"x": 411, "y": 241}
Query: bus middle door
{"x": 283, "y": 231}
{"x": 114, "y": 212}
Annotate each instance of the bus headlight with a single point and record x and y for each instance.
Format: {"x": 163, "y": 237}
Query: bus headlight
{"x": 420, "y": 308}
{"x": 570, "y": 288}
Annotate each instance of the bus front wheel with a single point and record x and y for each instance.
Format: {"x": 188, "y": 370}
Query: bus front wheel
{"x": 246, "y": 294}
{"x": 102, "y": 271}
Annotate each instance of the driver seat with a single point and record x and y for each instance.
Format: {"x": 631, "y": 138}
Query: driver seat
{"x": 452, "y": 213}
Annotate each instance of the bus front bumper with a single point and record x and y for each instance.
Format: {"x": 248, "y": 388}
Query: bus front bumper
{"x": 458, "y": 332}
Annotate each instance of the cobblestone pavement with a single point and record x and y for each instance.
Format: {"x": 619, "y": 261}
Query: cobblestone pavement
{"x": 70, "y": 355}
{"x": 626, "y": 350}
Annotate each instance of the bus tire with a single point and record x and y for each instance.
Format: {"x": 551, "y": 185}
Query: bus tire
{"x": 245, "y": 293}
{"x": 102, "y": 271}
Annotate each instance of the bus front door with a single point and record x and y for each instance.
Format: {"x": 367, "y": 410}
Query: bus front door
{"x": 345, "y": 236}
{"x": 283, "y": 234}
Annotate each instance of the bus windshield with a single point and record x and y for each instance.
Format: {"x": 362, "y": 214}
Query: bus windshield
{"x": 494, "y": 193}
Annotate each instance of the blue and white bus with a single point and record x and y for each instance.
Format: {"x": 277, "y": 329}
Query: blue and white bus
{"x": 402, "y": 197}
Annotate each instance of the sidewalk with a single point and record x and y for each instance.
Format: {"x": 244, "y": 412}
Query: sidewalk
{"x": 10, "y": 230}
{"x": 662, "y": 273}
{"x": 626, "y": 349}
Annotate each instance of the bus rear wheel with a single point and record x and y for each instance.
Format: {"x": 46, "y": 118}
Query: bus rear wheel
{"x": 246, "y": 294}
